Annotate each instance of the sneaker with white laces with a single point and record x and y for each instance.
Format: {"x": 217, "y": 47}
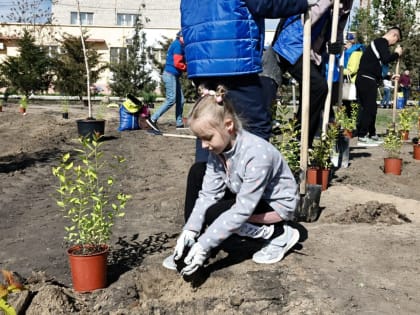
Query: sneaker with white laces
{"x": 368, "y": 142}
{"x": 277, "y": 247}
{"x": 169, "y": 262}
{"x": 255, "y": 231}
{"x": 152, "y": 124}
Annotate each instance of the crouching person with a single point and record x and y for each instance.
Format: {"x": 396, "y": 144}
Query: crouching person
{"x": 244, "y": 188}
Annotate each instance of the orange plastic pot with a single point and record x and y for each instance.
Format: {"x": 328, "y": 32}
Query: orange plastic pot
{"x": 404, "y": 135}
{"x": 325, "y": 176}
{"x": 88, "y": 272}
{"x": 312, "y": 176}
{"x": 416, "y": 151}
{"x": 392, "y": 166}
{"x": 347, "y": 133}
{"x": 317, "y": 176}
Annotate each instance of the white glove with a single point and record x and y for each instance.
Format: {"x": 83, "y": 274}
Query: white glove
{"x": 186, "y": 239}
{"x": 195, "y": 259}
{"x": 312, "y": 2}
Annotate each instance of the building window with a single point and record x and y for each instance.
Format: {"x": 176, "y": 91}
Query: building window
{"x": 52, "y": 51}
{"x": 116, "y": 54}
{"x": 126, "y": 19}
{"x": 86, "y": 18}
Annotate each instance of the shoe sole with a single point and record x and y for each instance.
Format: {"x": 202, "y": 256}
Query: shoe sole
{"x": 151, "y": 126}
{"x": 168, "y": 263}
{"x": 290, "y": 245}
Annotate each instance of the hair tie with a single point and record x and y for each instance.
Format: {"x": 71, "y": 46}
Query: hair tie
{"x": 218, "y": 98}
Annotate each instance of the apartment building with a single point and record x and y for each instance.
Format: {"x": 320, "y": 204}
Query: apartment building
{"x": 109, "y": 25}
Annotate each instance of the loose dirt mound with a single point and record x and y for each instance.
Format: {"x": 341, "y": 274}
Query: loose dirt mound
{"x": 372, "y": 212}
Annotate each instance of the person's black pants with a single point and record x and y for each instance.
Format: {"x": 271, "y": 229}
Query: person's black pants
{"x": 318, "y": 94}
{"x": 367, "y": 90}
{"x": 194, "y": 183}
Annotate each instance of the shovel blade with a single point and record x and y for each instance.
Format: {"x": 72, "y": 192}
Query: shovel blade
{"x": 308, "y": 209}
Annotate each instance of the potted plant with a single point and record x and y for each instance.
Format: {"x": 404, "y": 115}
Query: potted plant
{"x": 320, "y": 158}
{"x": 392, "y": 145}
{"x": 406, "y": 119}
{"x": 65, "y": 108}
{"x": 91, "y": 206}
{"x": 23, "y": 105}
{"x": 285, "y": 137}
{"x": 347, "y": 124}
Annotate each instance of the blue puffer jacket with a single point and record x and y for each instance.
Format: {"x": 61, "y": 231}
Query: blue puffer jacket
{"x": 225, "y": 38}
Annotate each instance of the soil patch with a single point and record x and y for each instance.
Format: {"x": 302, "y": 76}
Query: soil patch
{"x": 367, "y": 267}
{"x": 372, "y": 212}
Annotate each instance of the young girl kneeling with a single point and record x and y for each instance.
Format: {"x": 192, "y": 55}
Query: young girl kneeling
{"x": 246, "y": 188}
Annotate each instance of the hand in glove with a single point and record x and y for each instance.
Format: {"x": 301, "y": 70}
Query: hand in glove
{"x": 186, "y": 239}
{"x": 334, "y": 48}
{"x": 312, "y": 2}
{"x": 195, "y": 259}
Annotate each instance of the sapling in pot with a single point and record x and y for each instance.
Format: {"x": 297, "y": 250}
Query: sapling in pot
{"x": 87, "y": 197}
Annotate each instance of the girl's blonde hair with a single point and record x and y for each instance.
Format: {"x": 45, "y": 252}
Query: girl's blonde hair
{"x": 215, "y": 106}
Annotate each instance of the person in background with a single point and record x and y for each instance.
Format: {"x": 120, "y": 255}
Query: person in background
{"x": 288, "y": 46}
{"x": 245, "y": 182}
{"x": 224, "y": 42}
{"x": 368, "y": 78}
{"x": 385, "y": 102}
{"x": 352, "y": 54}
{"x": 405, "y": 85}
{"x": 175, "y": 65}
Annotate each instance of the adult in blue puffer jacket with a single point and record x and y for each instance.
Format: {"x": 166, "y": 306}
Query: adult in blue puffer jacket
{"x": 224, "y": 41}
{"x": 288, "y": 46}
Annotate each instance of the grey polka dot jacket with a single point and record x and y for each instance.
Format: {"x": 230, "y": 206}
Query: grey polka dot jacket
{"x": 254, "y": 170}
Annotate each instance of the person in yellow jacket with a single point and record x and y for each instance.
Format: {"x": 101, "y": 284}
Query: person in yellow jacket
{"x": 352, "y": 54}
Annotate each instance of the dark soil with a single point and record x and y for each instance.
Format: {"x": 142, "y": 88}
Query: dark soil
{"x": 359, "y": 257}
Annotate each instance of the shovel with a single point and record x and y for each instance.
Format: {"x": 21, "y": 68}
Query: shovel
{"x": 310, "y": 195}
{"x": 394, "y": 103}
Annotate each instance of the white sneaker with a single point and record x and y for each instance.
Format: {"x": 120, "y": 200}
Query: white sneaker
{"x": 169, "y": 262}
{"x": 276, "y": 248}
{"x": 255, "y": 231}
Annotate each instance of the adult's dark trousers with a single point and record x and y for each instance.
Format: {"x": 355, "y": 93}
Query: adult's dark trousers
{"x": 318, "y": 93}
{"x": 367, "y": 90}
{"x": 246, "y": 94}
{"x": 194, "y": 183}
{"x": 406, "y": 94}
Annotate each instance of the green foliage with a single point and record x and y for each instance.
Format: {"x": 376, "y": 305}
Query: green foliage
{"x": 132, "y": 73}
{"x": 406, "y": 118}
{"x": 30, "y": 71}
{"x": 70, "y": 66}
{"x": 23, "y": 102}
{"x": 86, "y": 196}
{"x": 319, "y": 155}
{"x": 287, "y": 140}
{"x": 343, "y": 120}
{"x": 148, "y": 97}
{"x": 10, "y": 286}
{"x": 392, "y": 143}
{"x": 391, "y": 12}
{"x": 65, "y": 105}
